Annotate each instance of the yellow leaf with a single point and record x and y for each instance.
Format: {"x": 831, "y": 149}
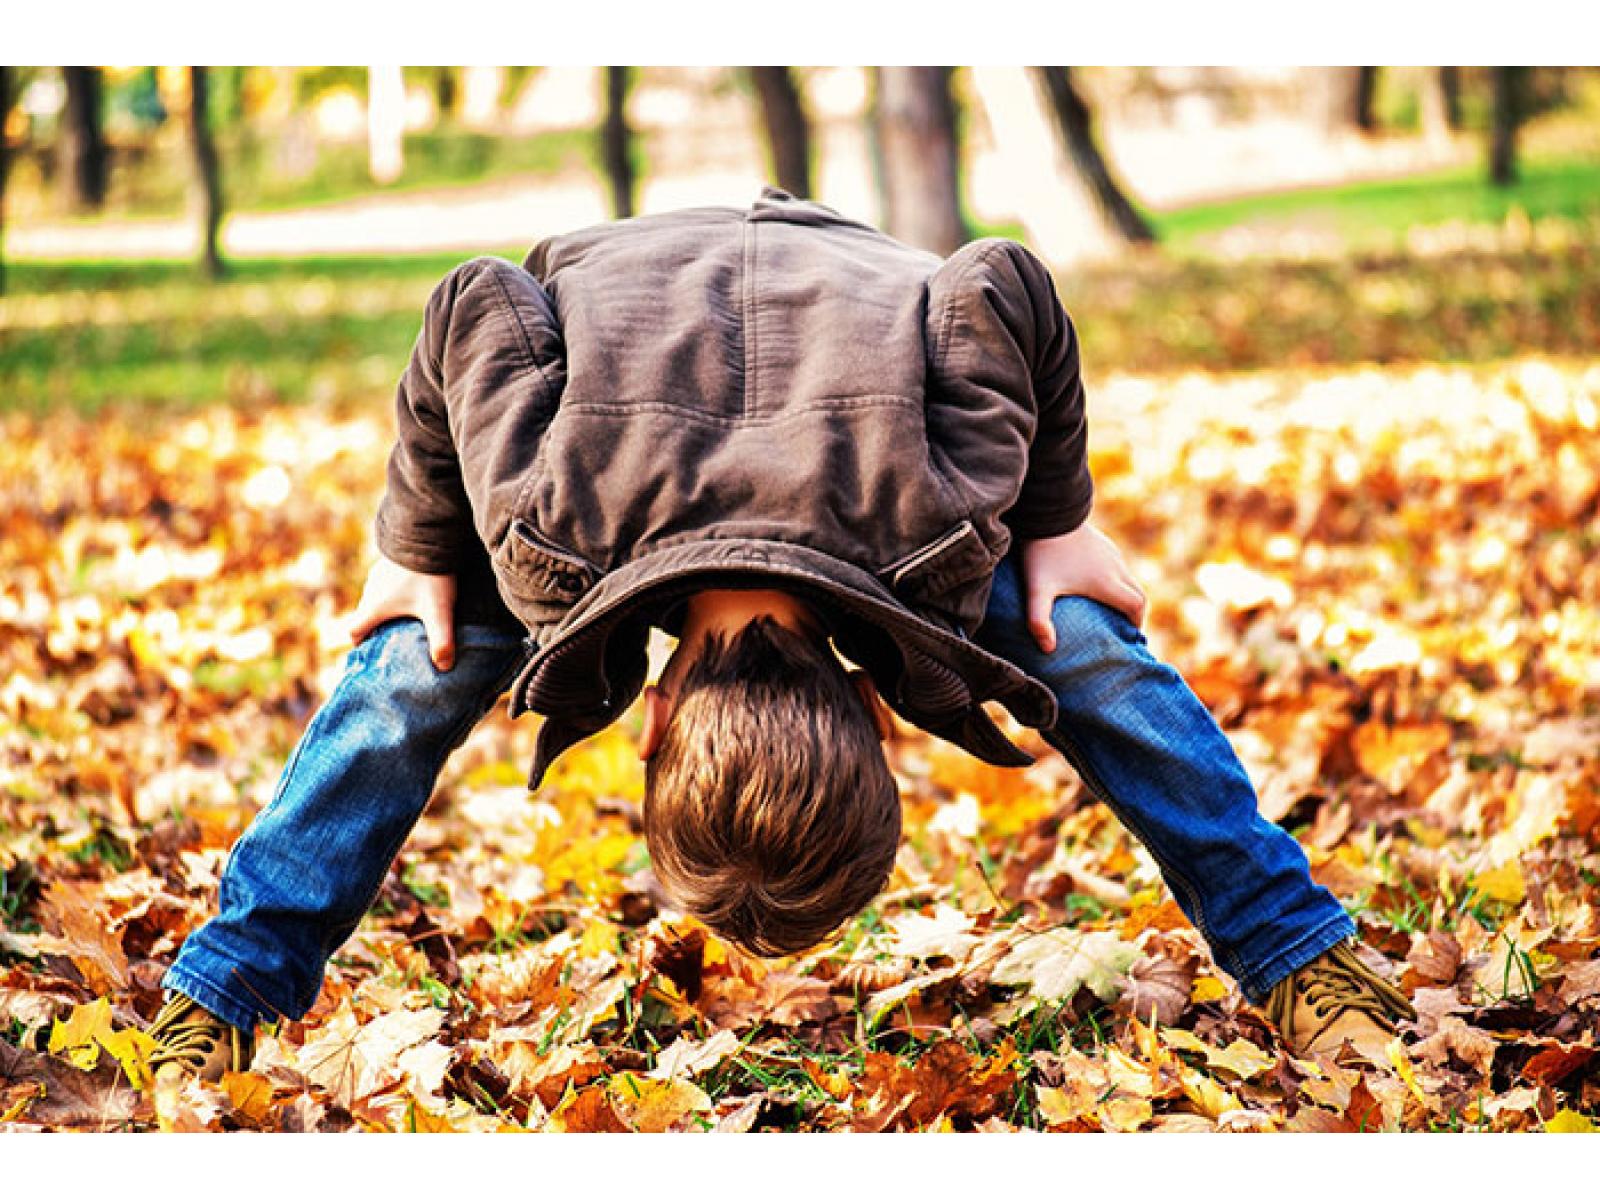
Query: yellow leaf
{"x": 420, "y": 1120}
{"x": 249, "y": 1093}
{"x": 655, "y": 1105}
{"x": 78, "y": 1036}
{"x": 132, "y": 1048}
{"x": 1124, "y": 1114}
{"x": 1207, "y": 1095}
{"x": 1504, "y": 883}
{"x": 599, "y": 937}
{"x": 1567, "y": 1121}
{"x": 1403, "y": 1068}
{"x": 1206, "y": 988}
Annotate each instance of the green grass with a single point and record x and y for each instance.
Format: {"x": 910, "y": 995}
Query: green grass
{"x": 274, "y": 329}
{"x": 1364, "y": 214}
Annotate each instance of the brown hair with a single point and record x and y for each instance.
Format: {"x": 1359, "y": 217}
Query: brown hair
{"x": 769, "y": 809}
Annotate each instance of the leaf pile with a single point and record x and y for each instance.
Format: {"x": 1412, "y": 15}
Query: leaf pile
{"x": 1385, "y": 583}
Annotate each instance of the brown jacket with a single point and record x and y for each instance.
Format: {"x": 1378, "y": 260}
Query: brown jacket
{"x": 652, "y": 406}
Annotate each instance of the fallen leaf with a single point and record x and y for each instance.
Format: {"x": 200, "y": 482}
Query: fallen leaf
{"x": 655, "y": 1105}
{"x": 1054, "y": 964}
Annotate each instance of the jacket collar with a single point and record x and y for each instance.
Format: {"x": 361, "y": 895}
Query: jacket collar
{"x": 587, "y": 668}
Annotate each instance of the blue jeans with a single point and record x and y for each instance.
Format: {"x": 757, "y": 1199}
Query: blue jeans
{"x": 302, "y": 876}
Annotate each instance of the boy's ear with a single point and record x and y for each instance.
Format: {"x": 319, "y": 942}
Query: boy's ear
{"x": 875, "y": 705}
{"x": 657, "y": 712}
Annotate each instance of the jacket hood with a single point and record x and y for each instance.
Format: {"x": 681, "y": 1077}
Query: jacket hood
{"x": 588, "y": 668}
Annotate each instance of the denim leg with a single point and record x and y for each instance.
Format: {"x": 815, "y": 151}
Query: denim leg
{"x": 1147, "y": 747}
{"x": 300, "y": 878}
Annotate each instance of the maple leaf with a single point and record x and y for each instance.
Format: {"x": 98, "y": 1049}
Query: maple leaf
{"x": 945, "y": 933}
{"x": 351, "y": 1060}
{"x": 1157, "y": 989}
{"x": 945, "y": 1081}
{"x": 686, "y": 1058}
{"x": 84, "y": 936}
{"x": 1055, "y": 963}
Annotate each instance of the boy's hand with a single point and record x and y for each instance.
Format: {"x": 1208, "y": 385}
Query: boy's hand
{"x": 395, "y": 591}
{"x": 1084, "y": 562}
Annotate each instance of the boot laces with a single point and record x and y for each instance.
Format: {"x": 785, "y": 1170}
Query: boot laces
{"x": 186, "y": 1034}
{"x": 1340, "y": 982}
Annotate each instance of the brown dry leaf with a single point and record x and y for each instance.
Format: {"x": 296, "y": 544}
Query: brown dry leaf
{"x": 1158, "y": 989}
{"x": 65, "y": 1097}
{"x": 586, "y": 1111}
{"x": 945, "y": 1081}
{"x": 83, "y": 934}
{"x": 1581, "y": 982}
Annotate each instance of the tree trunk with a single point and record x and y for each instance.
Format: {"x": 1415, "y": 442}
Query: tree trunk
{"x": 616, "y": 143}
{"x": 386, "y": 123}
{"x": 1450, "y": 89}
{"x": 1075, "y": 125}
{"x": 207, "y": 177}
{"x": 83, "y": 145}
{"x": 1510, "y": 85}
{"x": 5, "y": 164}
{"x": 783, "y": 117}
{"x": 1364, "y": 88}
{"x": 912, "y": 122}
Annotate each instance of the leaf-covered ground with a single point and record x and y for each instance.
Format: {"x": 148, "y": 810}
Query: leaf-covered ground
{"x": 1385, "y": 582}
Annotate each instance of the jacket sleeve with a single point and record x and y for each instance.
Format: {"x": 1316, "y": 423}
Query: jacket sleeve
{"x": 1006, "y": 357}
{"x": 473, "y": 340}
{"x": 1057, "y": 491}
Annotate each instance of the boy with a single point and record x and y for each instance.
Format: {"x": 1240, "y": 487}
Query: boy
{"x": 762, "y": 430}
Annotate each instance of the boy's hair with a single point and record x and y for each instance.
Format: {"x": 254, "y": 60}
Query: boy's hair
{"x": 769, "y": 809}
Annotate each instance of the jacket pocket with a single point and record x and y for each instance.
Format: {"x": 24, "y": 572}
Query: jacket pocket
{"x": 934, "y": 573}
{"x": 544, "y": 578}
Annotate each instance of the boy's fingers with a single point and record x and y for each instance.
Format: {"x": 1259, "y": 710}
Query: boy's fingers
{"x": 1041, "y": 600}
{"x": 441, "y": 636}
{"x": 360, "y": 623}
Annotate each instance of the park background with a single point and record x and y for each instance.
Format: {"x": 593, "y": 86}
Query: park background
{"x": 1338, "y": 330}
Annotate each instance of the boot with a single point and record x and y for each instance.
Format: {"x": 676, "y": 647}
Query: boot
{"x": 203, "y": 1044}
{"x": 1334, "y": 999}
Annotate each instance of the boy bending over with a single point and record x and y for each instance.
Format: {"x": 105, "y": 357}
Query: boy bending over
{"x": 771, "y": 432}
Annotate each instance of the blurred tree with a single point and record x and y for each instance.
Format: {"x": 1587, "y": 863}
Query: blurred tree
{"x": 82, "y": 141}
{"x": 616, "y": 143}
{"x": 1450, "y": 92}
{"x": 1363, "y": 89}
{"x": 386, "y": 123}
{"x": 1074, "y": 124}
{"x": 911, "y": 129}
{"x": 788, "y": 130}
{"x": 1509, "y": 107}
{"x": 5, "y": 164}
{"x": 206, "y": 172}
{"x": 445, "y": 84}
